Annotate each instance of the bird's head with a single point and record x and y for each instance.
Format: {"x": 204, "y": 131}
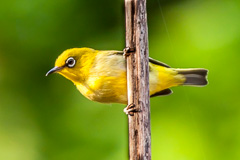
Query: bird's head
{"x": 73, "y": 63}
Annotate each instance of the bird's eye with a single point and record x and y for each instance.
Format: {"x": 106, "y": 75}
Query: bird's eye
{"x": 70, "y": 62}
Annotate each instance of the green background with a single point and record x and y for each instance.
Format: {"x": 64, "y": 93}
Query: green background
{"x": 46, "y": 118}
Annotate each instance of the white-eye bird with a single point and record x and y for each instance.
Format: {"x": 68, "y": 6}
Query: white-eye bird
{"x": 101, "y": 75}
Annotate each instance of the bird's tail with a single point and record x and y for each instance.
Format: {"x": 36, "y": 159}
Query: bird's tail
{"x": 194, "y": 77}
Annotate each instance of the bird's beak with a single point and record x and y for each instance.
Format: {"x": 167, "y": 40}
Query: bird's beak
{"x": 53, "y": 70}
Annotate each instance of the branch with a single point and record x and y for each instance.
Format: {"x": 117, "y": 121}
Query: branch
{"x": 138, "y": 79}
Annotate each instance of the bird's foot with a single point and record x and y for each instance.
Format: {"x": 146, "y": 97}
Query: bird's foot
{"x": 127, "y": 51}
{"x": 130, "y": 109}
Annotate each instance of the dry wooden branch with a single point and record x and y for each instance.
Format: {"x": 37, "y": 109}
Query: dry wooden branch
{"x": 138, "y": 79}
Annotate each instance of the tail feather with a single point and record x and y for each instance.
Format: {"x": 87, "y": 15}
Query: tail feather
{"x": 195, "y": 77}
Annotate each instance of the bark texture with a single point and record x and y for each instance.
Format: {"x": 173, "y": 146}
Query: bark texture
{"x": 138, "y": 79}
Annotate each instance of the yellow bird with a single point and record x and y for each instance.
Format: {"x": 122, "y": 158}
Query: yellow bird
{"x": 101, "y": 75}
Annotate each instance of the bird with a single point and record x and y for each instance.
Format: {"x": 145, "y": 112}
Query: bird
{"x": 101, "y": 76}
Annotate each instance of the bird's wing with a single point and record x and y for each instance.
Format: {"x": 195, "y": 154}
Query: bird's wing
{"x": 154, "y": 61}
{"x": 151, "y": 60}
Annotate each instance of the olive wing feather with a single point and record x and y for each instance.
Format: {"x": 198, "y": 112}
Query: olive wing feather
{"x": 151, "y": 60}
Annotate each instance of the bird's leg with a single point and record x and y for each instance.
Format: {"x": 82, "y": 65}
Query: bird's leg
{"x": 130, "y": 109}
{"x": 127, "y": 51}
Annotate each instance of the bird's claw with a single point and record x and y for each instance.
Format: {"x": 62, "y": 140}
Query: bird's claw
{"x": 127, "y": 51}
{"x": 130, "y": 109}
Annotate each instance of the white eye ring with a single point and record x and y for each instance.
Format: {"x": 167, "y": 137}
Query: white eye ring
{"x": 70, "y": 62}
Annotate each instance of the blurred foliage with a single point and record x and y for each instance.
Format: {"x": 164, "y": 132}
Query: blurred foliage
{"x": 46, "y": 118}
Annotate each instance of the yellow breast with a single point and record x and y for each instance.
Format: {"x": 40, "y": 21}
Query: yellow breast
{"x": 105, "y": 89}
{"x": 106, "y": 82}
